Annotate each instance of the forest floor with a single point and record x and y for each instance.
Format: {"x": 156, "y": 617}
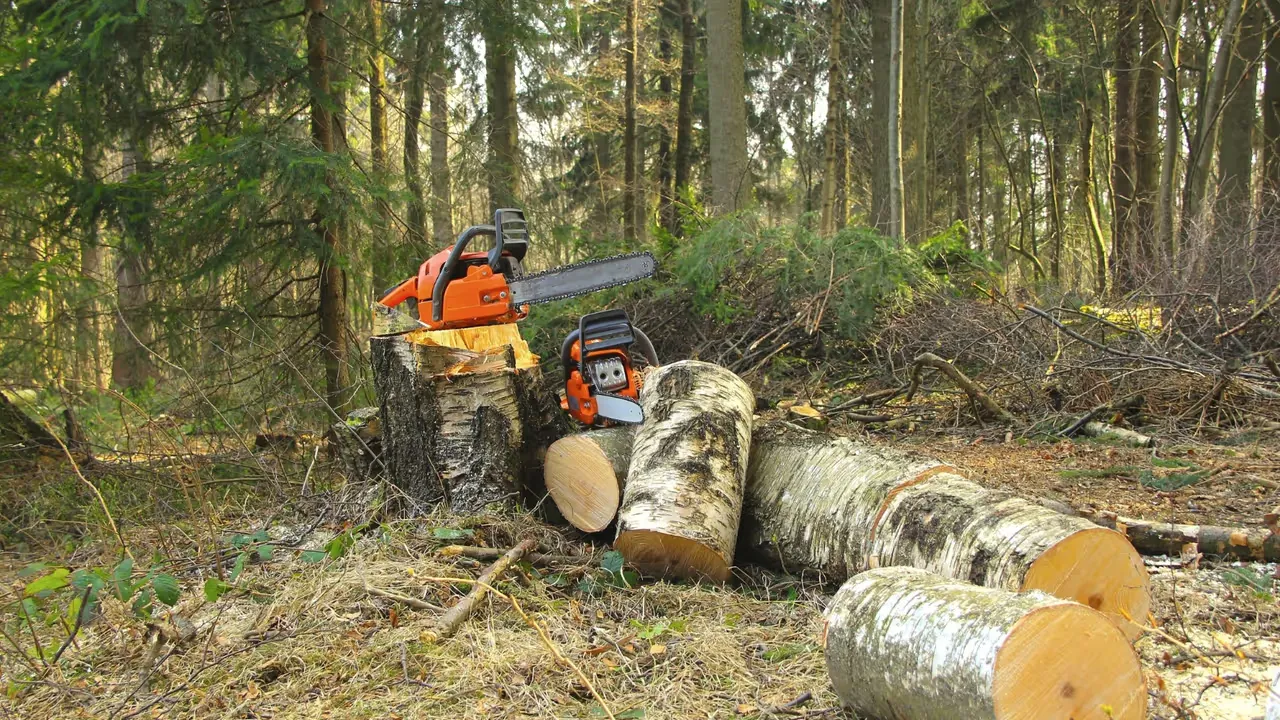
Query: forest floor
{"x": 294, "y": 638}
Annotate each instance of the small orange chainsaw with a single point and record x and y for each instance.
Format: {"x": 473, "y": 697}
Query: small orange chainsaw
{"x": 457, "y": 289}
{"x": 601, "y": 385}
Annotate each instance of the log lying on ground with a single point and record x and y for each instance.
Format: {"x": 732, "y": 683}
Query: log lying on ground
{"x": 836, "y": 507}
{"x": 904, "y": 644}
{"x": 1103, "y": 431}
{"x": 683, "y": 497}
{"x": 460, "y": 424}
{"x": 584, "y": 474}
{"x": 1157, "y": 538}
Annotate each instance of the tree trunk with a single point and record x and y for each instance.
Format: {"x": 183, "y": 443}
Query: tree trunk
{"x": 465, "y": 422}
{"x": 131, "y": 365}
{"x": 88, "y": 323}
{"x": 914, "y": 61}
{"x": 835, "y": 508}
{"x": 415, "y": 88}
{"x": 1165, "y": 223}
{"x": 1146, "y": 147}
{"x": 1098, "y": 243}
{"x": 897, "y": 219}
{"x": 835, "y": 81}
{"x": 1271, "y": 113}
{"x": 1056, "y": 161}
{"x": 684, "y": 108}
{"x": 902, "y": 643}
{"x": 438, "y": 93}
{"x": 500, "y": 86}
{"x": 963, "y": 138}
{"x": 630, "y": 219}
{"x": 666, "y": 191}
{"x": 1234, "y": 211}
{"x": 1123, "y": 164}
{"x": 983, "y": 244}
{"x": 730, "y": 173}
{"x": 585, "y": 474}
{"x": 1197, "y": 181}
{"x": 881, "y": 50}
{"x": 382, "y": 262}
{"x": 683, "y": 498}
{"x": 333, "y": 281}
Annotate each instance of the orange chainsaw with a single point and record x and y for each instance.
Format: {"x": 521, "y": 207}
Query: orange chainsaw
{"x": 458, "y": 289}
{"x": 601, "y": 385}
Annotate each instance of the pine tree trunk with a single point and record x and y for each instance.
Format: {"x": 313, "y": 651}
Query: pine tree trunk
{"x": 630, "y": 220}
{"x": 897, "y": 218}
{"x": 1165, "y": 224}
{"x": 881, "y": 51}
{"x": 333, "y": 301}
{"x": 466, "y": 422}
{"x": 88, "y": 323}
{"x": 438, "y": 93}
{"x": 730, "y": 173}
{"x": 1123, "y": 164}
{"x": 915, "y": 118}
{"x": 683, "y": 497}
{"x": 666, "y": 190}
{"x": 1146, "y": 148}
{"x": 836, "y": 508}
{"x": 382, "y": 261}
{"x": 834, "y": 83}
{"x": 1234, "y": 212}
{"x": 684, "y": 107}
{"x": 131, "y": 365}
{"x": 504, "y": 140}
{"x": 1196, "y": 185}
{"x": 415, "y": 89}
{"x": 902, "y": 643}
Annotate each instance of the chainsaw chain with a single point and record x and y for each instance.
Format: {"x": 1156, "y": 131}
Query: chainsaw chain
{"x": 585, "y": 263}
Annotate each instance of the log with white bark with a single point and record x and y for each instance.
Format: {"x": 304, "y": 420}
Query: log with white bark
{"x": 835, "y": 507}
{"x": 905, "y": 644}
{"x": 1124, "y": 436}
{"x": 683, "y": 497}
{"x": 585, "y": 473}
{"x": 464, "y": 424}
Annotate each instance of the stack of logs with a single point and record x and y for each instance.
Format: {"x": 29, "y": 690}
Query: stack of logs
{"x": 960, "y": 601}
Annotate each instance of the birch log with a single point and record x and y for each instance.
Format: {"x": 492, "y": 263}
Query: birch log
{"x": 835, "y": 507}
{"x": 905, "y": 644}
{"x": 683, "y": 497}
{"x": 585, "y": 473}
{"x": 464, "y": 425}
{"x": 1157, "y": 538}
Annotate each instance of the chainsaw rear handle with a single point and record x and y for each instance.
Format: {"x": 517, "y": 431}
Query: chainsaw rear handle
{"x": 510, "y": 235}
{"x": 566, "y": 350}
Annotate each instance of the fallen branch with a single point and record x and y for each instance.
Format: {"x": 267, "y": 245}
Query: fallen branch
{"x": 1129, "y": 403}
{"x": 449, "y": 623}
{"x": 1103, "y": 431}
{"x": 412, "y": 602}
{"x": 990, "y": 407}
{"x": 535, "y": 558}
{"x": 1157, "y": 538}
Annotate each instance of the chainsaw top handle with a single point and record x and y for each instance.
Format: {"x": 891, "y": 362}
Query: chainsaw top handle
{"x": 510, "y": 237}
{"x": 609, "y": 328}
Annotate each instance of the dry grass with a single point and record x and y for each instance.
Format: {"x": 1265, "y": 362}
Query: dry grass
{"x": 300, "y": 640}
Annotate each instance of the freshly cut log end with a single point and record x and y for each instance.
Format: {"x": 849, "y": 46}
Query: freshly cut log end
{"x": 688, "y": 468}
{"x": 662, "y": 555}
{"x": 959, "y": 529}
{"x": 906, "y": 644}
{"x": 584, "y": 474}
{"x": 1099, "y": 568}
{"x": 480, "y": 339}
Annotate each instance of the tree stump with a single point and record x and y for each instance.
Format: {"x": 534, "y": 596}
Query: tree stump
{"x": 906, "y": 644}
{"x": 466, "y": 417}
{"x": 683, "y": 497}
